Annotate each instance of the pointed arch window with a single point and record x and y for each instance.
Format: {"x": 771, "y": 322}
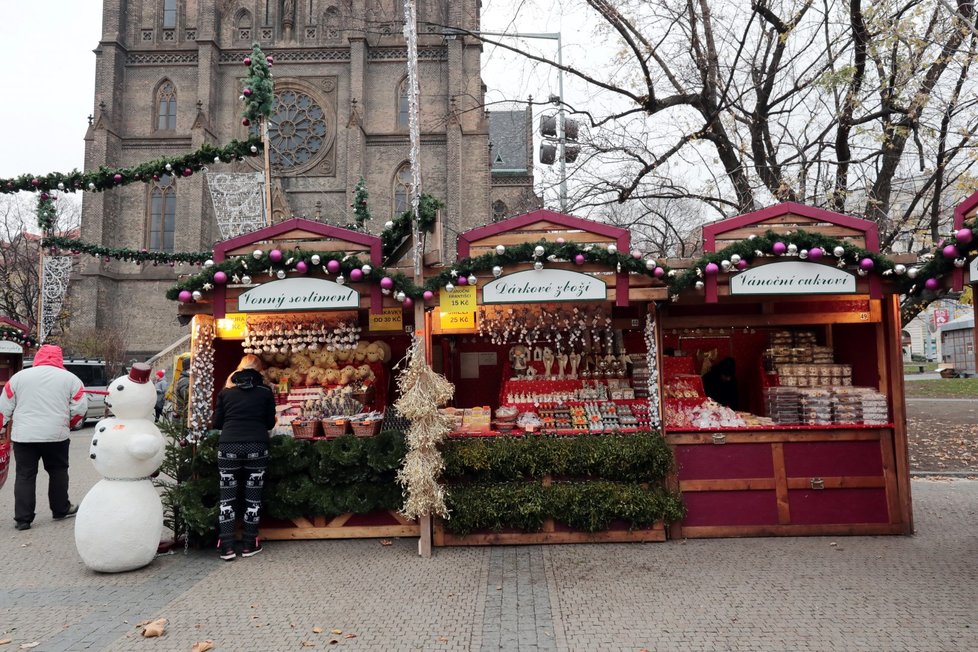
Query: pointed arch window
{"x": 166, "y": 107}
{"x": 403, "y": 115}
{"x": 402, "y": 190}
{"x": 162, "y": 214}
{"x": 498, "y": 210}
{"x": 169, "y": 14}
{"x": 242, "y": 25}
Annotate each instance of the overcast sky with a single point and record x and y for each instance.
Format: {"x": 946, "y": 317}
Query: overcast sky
{"x": 49, "y": 77}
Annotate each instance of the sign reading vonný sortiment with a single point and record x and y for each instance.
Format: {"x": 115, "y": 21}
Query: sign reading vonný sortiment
{"x": 298, "y": 294}
{"x": 544, "y": 285}
{"x": 793, "y": 277}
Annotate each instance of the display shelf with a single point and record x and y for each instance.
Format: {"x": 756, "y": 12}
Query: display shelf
{"x": 786, "y": 427}
{"x": 569, "y": 432}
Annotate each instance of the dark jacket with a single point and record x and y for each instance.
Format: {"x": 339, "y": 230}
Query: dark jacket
{"x": 246, "y": 411}
{"x": 181, "y": 395}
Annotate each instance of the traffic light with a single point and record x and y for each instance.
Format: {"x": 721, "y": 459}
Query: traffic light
{"x": 549, "y": 125}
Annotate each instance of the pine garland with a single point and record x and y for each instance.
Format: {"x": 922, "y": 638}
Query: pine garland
{"x": 422, "y": 392}
{"x": 58, "y": 245}
{"x": 259, "y": 91}
{"x": 400, "y": 228}
{"x": 106, "y": 178}
{"x": 361, "y": 213}
{"x": 16, "y": 335}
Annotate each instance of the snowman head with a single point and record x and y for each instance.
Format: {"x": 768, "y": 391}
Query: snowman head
{"x": 132, "y": 396}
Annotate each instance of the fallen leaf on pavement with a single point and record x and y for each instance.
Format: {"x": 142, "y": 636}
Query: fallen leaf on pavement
{"x": 155, "y": 628}
{"x": 336, "y": 631}
{"x": 333, "y": 641}
{"x": 317, "y": 630}
{"x": 350, "y": 636}
{"x": 386, "y": 542}
{"x": 442, "y": 639}
{"x": 143, "y": 623}
{"x": 308, "y": 644}
{"x": 202, "y": 646}
{"x": 27, "y": 646}
{"x": 5, "y": 641}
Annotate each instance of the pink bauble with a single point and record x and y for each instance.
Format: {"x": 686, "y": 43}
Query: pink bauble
{"x": 711, "y": 269}
{"x": 220, "y": 277}
{"x": 275, "y": 255}
{"x": 462, "y": 280}
{"x": 636, "y": 253}
{"x": 815, "y": 253}
{"x": 387, "y": 283}
{"x": 117, "y": 178}
{"x": 579, "y": 259}
{"x": 246, "y": 122}
{"x": 185, "y": 296}
{"x": 742, "y": 264}
{"x": 301, "y": 267}
{"x": 658, "y": 272}
{"x": 333, "y": 266}
{"x": 246, "y": 92}
{"x": 408, "y": 302}
{"x": 356, "y": 274}
{"x": 950, "y": 251}
{"x": 931, "y": 284}
{"x": 560, "y": 241}
{"x": 270, "y": 60}
{"x": 866, "y": 264}
{"x": 428, "y": 295}
{"x": 963, "y": 236}
{"x": 247, "y": 61}
{"x": 779, "y": 248}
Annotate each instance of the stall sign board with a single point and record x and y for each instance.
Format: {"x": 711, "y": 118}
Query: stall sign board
{"x": 391, "y": 319}
{"x": 232, "y": 326}
{"x": 297, "y": 295}
{"x": 793, "y": 277}
{"x": 455, "y": 321}
{"x": 973, "y": 270}
{"x": 7, "y": 346}
{"x": 461, "y": 299}
{"x": 544, "y": 285}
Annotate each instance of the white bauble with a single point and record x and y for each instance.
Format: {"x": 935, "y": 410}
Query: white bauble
{"x": 912, "y": 272}
{"x": 500, "y": 250}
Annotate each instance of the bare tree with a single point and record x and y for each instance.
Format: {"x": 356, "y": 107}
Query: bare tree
{"x": 20, "y": 247}
{"x": 865, "y": 108}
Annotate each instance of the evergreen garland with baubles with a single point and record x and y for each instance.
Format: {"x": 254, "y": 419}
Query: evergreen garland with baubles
{"x": 259, "y": 91}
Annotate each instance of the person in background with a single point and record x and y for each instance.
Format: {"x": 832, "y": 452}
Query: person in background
{"x": 44, "y": 402}
{"x": 181, "y": 395}
{"x": 244, "y": 414}
{"x": 161, "y": 384}
{"x": 720, "y": 383}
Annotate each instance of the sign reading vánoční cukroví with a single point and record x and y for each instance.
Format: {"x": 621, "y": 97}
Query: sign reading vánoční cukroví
{"x": 544, "y": 285}
{"x": 295, "y": 294}
{"x": 793, "y": 277}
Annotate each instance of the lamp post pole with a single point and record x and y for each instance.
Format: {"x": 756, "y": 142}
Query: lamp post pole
{"x": 561, "y": 140}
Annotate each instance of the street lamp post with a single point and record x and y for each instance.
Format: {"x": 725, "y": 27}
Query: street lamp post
{"x": 561, "y": 140}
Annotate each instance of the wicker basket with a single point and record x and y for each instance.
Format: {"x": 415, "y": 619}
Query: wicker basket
{"x": 366, "y": 428}
{"x": 333, "y": 428}
{"x": 306, "y": 429}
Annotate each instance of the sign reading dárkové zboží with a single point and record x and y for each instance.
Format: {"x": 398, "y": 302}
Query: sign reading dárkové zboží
{"x": 297, "y": 294}
{"x": 544, "y": 285}
{"x": 793, "y": 277}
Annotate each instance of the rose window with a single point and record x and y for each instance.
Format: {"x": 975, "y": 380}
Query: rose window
{"x": 297, "y": 130}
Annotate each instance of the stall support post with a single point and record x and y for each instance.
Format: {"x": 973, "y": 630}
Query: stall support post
{"x": 422, "y": 330}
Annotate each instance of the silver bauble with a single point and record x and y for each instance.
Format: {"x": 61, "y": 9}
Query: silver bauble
{"x": 366, "y": 269}
{"x": 341, "y": 279}
{"x": 838, "y": 252}
{"x": 734, "y": 258}
{"x": 538, "y": 265}
{"x": 449, "y": 287}
{"x": 699, "y": 285}
{"x": 246, "y": 280}
{"x": 912, "y": 272}
{"x": 497, "y": 271}
{"x": 280, "y": 273}
{"x": 500, "y": 250}
{"x": 257, "y": 254}
{"x": 899, "y": 270}
{"x": 472, "y": 279}
{"x": 315, "y": 259}
{"x": 196, "y": 295}
{"x": 208, "y": 263}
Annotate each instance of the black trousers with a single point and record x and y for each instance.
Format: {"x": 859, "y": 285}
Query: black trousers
{"x": 54, "y": 454}
{"x": 237, "y": 462}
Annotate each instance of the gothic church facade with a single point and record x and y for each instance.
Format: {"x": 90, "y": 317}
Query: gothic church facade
{"x": 168, "y": 79}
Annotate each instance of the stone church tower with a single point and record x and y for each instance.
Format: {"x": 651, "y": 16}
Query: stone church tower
{"x": 168, "y": 80}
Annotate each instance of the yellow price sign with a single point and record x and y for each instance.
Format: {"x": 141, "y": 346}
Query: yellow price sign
{"x": 232, "y": 326}
{"x": 391, "y": 319}
{"x": 461, "y": 299}
{"x": 457, "y": 320}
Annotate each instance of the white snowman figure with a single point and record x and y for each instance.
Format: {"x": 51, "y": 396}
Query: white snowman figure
{"x": 120, "y": 520}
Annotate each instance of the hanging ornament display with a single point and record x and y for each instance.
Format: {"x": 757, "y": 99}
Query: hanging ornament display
{"x": 54, "y": 285}
{"x": 201, "y": 376}
{"x": 652, "y": 360}
{"x": 289, "y": 334}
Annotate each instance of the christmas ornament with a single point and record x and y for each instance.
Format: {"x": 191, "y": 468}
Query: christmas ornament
{"x": 931, "y": 284}
{"x": 257, "y": 254}
{"x": 838, "y": 252}
{"x": 449, "y": 287}
{"x": 538, "y": 251}
{"x": 301, "y": 267}
{"x": 220, "y": 277}
{"x": 472, "y": 279}
{"x": 196, "y": 295}
{"x": 356, "y": 275}
{"x": 866, "y": 264}
{"x": 579, "y": 259}
{"x": 711, "y": 269}
{"x": 538, "y": 265}
{"x": 366, "y": 269}
{"x": 779, "y": 248}
{"x": 275, "y": 255}
{"x": 950, "y": 251}
{"x": 315, "y": 259}
{"x": 280, "y": 273}
{"x": 185, "y": 296}
{"x": 462, "y": 280}
{"x": 333, "y": 266}
{"x": 815, "y": 254}
{"x": 428, "y": 295}
{"x": 341, "y": 279}
{"x": 500, "y": 250}
{"x": 246, "y": 280}
{"x": 792, "y": 249}
{"x": 497, "y": 271}
{"x": 963, "y": 236}
{"x": 899, "y": 270}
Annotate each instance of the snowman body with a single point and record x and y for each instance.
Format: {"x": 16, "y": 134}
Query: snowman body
{"x": 120, "y": 520}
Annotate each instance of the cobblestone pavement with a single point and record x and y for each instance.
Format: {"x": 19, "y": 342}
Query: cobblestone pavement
{"x": 843, "y": 593}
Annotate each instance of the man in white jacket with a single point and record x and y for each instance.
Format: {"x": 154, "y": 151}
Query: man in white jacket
{"x": 43, "y": 401}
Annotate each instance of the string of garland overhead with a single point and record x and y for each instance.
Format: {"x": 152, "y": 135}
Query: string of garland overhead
{"x": 59, "y": 246}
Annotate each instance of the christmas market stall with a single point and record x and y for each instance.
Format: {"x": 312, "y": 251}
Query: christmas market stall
{"x": 542, "y": 326}
{"x": 783, "y": 385}
{"x": 314, "y": 303}
{"x": 14, "y": 338}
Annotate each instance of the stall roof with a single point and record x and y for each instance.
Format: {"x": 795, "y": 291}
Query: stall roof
{"x": 548, "y": 225}
{"x": 961, "y": 323}
{"x": 785, "y": 218}
{"x": 966, "y": 210}
{"x": 13, "y": 323}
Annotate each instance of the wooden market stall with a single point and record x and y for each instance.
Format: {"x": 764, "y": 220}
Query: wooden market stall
{"x": 303, "y": 296}
{"x": 965, "y": 221}
{"x": 542, "y": 327}
{"x": 783, "y": 385}
{"x": 14, "y": 336}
